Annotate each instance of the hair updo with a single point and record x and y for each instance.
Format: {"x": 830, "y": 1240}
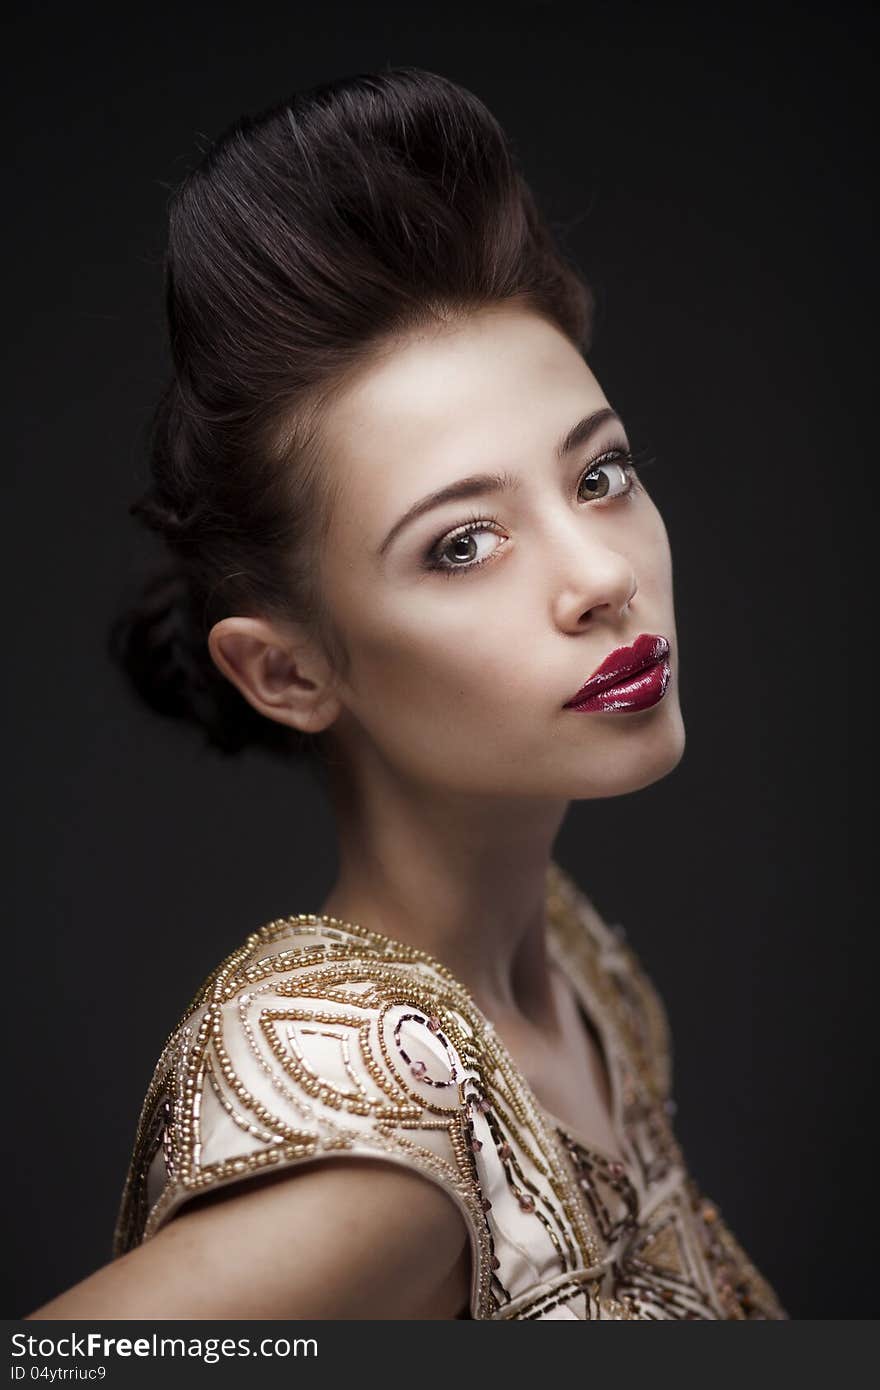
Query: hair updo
{"x": 347, "y": 215}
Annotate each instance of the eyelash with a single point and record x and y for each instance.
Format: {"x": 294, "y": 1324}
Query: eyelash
{"x": 624, "y": 457}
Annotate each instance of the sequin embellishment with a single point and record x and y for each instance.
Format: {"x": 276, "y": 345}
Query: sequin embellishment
{"x": 319, "y": 1036}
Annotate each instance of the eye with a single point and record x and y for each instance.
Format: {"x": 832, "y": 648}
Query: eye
{"x": 607, "y": 478}
{"x": 601, "y": 483}
{"x": 459, "y": 551}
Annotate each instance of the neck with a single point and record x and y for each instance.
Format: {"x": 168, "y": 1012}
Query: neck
{"x": 463, "y": 880}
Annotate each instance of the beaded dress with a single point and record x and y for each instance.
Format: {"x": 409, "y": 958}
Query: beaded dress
{"x": 318, "y": 1037}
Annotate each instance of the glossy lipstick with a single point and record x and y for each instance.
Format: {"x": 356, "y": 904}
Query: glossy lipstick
{"x": 630, "y": 678}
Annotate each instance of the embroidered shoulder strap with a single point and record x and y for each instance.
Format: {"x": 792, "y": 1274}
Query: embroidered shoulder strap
{"x": 318, "y": 1038}
{"x": 312, "y": 1039}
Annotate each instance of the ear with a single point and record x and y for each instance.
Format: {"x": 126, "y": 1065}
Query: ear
{"x": 281, "y": 672}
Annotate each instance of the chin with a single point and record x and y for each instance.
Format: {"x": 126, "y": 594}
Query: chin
{"x": 636, "y": 760}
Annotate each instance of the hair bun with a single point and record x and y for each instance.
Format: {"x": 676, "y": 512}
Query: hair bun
{"x": 158, "y": 643}
{"x": 155, "y": 641}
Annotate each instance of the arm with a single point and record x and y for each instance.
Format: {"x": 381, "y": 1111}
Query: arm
{"x": 341, "y": 1238}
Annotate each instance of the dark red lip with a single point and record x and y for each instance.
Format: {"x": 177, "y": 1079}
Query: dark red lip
{"x": 646, "y": 650}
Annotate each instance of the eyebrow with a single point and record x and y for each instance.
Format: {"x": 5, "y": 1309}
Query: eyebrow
{"x": 483, "y": 484}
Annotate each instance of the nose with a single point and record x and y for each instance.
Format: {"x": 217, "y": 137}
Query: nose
{"x": 596, "y": 581}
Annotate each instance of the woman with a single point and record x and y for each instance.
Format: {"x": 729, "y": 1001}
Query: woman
{"x": 380, "y": 386}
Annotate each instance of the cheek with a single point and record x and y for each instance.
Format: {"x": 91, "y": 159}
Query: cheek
{"x": 448, "y": 657}
{"x": 443, "y": 653}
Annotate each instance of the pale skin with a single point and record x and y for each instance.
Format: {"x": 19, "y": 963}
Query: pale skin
{"x": 453, "y": 763}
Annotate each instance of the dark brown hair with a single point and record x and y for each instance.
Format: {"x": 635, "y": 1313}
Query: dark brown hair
{"x": 309, "y": 234}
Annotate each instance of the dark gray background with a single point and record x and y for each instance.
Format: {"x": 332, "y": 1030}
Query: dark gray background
{"x": 709, "y": 174}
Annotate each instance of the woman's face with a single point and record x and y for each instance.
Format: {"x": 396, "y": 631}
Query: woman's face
{"x": 459, "y": 670}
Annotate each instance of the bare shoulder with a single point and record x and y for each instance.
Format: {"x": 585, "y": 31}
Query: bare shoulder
{"x": 342, "y": 1238}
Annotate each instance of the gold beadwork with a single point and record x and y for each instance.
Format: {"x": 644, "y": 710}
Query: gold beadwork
{"x": 610, "y": 1241}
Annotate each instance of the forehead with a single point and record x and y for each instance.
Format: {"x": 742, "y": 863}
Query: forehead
{"x": 483, "y": 393}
